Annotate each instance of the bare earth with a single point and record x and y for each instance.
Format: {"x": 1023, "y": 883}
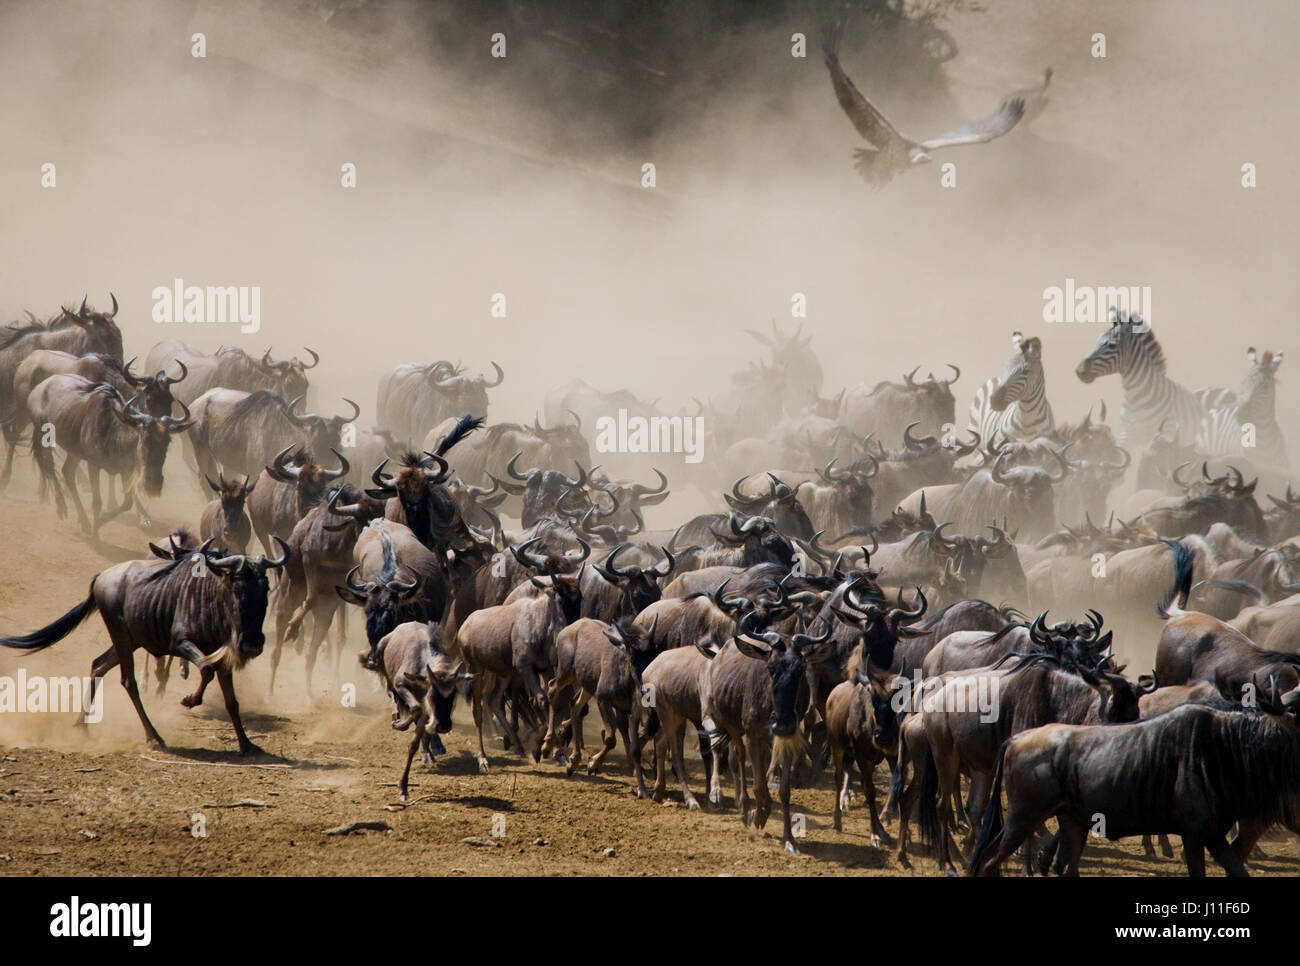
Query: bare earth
{"x": 98, "y": 801}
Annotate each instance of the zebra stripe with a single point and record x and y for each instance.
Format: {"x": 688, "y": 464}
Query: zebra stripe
{"x": 1027, "y": 415}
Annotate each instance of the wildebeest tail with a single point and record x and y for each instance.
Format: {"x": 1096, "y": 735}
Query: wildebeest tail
{"x": 1184, "y": 561}
{"x": 927, "y": 816}
{"x": 992, "y": 823}
{"x": 57, "y": 630}
{"x": 464, "y": 426}
{"x": 896, "y": 780}
{"x": 651, "y": 726}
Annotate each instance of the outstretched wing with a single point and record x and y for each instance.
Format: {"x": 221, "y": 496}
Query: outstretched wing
{"x": 985, "y": 129}
{"x": 871, "y": 124}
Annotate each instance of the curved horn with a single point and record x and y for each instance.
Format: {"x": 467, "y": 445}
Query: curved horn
{"x": 908, "y": 378}
{"x": 639, "y": 491}
{"x": 344, "y": 467}
{"x": 315, "y": 360}
{"x": 355, "y": 587}
{"x": 514, "y": 474}
{"x": 381, "y": 479}
{"x": 500, "y": 378}
{"x": 356, "y": 410}
{"x": 1177, "y": 469}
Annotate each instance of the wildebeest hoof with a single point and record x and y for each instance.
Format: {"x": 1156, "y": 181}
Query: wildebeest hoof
{"x": 251, "y": 749}
{"x": 190, "y": 701}
{"x": 482, "y": 766}
{"x": 691, "y": 805}
{"x": 436, "y": 747}
{"x": 789, "y": 847}
{"x": 846, "y": 801}
{"x": 875, "y": 841}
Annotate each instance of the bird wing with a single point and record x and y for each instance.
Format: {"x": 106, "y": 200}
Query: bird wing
{"x": 871, "y": 124}
{"x": 985, "y": 129}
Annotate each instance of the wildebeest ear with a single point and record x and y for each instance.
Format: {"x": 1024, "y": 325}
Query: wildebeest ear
{"x": 376, "y": 494}
{"x": 751, "y": 648}
{"x": 350, "y": 595}
{"x": 706, "y": 649}
{"x": 158, "y": 551}
{"x": 215, "y": 488}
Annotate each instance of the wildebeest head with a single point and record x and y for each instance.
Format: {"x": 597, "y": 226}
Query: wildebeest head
{"x": 639, "y": 587}
{"x": 785, "y": 659}
{"x": 359, "y": 508}
{"x": 637, "y": 641}
{"x": 232, "y": 494}
{"x": 382, "y": 599}
{"x": 630, "y": 498}
{"x": 289, "y": 376}
{"x": 567, "y": 591}
{"x": 880, "y": 627}
{"x": 1031, "y": 488}
{"x": 780, "y": 505}
{"x": 154, "y": 392}
{"x": 934, "y": 396}
{"x": 550, "y": 562}
{"x": 322, "y": 434}
{"x": 153, "y": 433}
{"x": 295, "y": 465}
{"x": 102, "y": 333}
{"x": 245, "y": 578}
{"x": 464, "y": 392}
{"x": 1164, "y": 457}
{"x": 429, "y": 508}
{"x": 969, "y": 555}
{"x": 761, "y": 540}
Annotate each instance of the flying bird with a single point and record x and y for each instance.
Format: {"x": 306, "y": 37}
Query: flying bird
{"x": 892, "y": 152}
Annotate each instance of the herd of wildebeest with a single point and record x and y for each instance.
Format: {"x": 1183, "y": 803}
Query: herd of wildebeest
{"x": 876, "y": 584}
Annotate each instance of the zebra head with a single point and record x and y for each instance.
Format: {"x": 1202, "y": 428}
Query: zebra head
{"x": 1126, "y": 346}
{"x": 1023, "y": 376}
{"x": 1256, "y": 398}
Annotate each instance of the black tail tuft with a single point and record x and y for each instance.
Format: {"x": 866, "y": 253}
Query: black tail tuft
{"x": 928, "y": 810}
{"x": 464, "y": 426}
{"x": 992, "y": 825}
{"x": 896, "y": 781}
{"x": 1184, "y": 561}
{"x": 54, "y": 632}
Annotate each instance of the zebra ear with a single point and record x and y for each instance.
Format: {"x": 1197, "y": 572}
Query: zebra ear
{"x": 1017, "y": 338}
{"x": 1251, "y": 357}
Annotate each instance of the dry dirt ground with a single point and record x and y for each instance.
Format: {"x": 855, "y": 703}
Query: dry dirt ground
{"x": 98, "y": 801}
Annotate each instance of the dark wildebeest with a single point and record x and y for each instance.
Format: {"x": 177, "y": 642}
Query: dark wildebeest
{"x": 396, "y": 579}
{"x": 750, "y": 696}
{"x": 190, "y": 607}
{"x": 1192, "y": 772}
{"x": 742, "y": 543}
{"x": 421, "y": 678}
{"x": 605, "y": 662}
{"x": 237, "y": 431}
{"x": 923, "y": 461}
{"x": 224, "y": 521}
{"x": 486, "y": 454}
{"x": 780, "y": 505}
{"x": 285, "y": 490}
{"x": 1198, "y": 647}
{"x": 861, "y": 727}
{"x": 842, "y": 500}
{"x": 1235, "y": 506}
{"x": 413, "y": 399}
{"x": 90, "y": 421}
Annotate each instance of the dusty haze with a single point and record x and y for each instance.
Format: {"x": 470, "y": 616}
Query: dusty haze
{"x": 472, "y": 180}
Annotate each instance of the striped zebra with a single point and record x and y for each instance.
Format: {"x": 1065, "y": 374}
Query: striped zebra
{"x": 1130, "y": 349}
{"x": 1220, "y": 432}
{"x": 1015, "y": 406}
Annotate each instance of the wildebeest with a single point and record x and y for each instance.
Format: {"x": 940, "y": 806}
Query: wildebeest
{"x": 231, "y": 368}
{"x": 1192, "y": 772}
{"x": 224, "y": 520}
{"x": 91, "y": 422}
{"x": 190, "y": 607}
{"x": 604, "y": 661}
{"x": 421, "y": 677}
{"x": 287, "y": 488}
{"x": 889, "y": 407}
{"x": 237, "y": 432}
{"x": 413, "y": 399}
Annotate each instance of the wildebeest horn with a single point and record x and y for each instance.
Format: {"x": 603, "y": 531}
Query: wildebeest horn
{"x": 344, "y": 466}
{"x": 607, "y": 568}
{"x": 1176, "y": 471}
{"x": 1038, "y": 629}
{"x": 576, "y": 419}
{"x": 175, "y": 425}
{"x": 956, "y": 374}
{"x": 1128, "y": 458}
{"x": 281, "y": 469}
{"x": 900, "y": 615}
{"x": 114, "y": 312}
{"x": 82, "y": 311}
{"x": 999, "y": 548}
{"x": 444, "y": 468}
{"x": 501, "y": 376}
{"x": 999, "y": 475}
{"x": 355, "y": 587}
{"x": 945, "y": 546}
{"x": 642, "y": 491}
{"x": 382, "y": 480}
{"x": 405, "y": 589}
{"x": 907, "y": 379}
{"x": 668, "y": 564}
{"x": 168, "y": 381}
{"x": 912, "y": 442}
{"x": 315, "y": 359}
{"x": 1148, "y": 683}
{"x": 356, "y": 410}
{"x": 342, "y": 509}
{"x": 514, "y": 474}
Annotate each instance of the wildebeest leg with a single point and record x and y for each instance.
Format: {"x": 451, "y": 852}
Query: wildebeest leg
{"x": 403, "y": 782}
{"x": 1072, "y": 836}
{"x": 740, "y": 798}
{"x": 162, "y": 670}
{"x": 759, "y": 748}
{"x": 677, "y": 748}
{"x": 227, "y": 681}
{"x": 867, "y": 769}
{"x": 1227, "y": 858}
{"x": 1194, "y": 856}
{"x": 632, "y": 745}
{"x": 340, "y": 638}
{"x": 949, "y": 778}
{"x": 205, "y": 678}
{"x": 1248, "y": 832}
{"x": 550, "y": 739}
{"x": 70, "y": 479}
{"x": 479, "y": 684}
{"x": 98, "y": 668}
{"x": 842, "y": 779}
{"x": 126, "y": 659}
{"x": 608, "y": 735}
{"x": 976, "y": 798}
{"x": 787, "y": 832}
{"x": 712, "y": 770}
{"x": 1166, "y": 847}
{"x": 662, "y": 749}
{"x": 575, "y": 727}
{"x": 497, "y": 703}
{"x": 322, "y": 613}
